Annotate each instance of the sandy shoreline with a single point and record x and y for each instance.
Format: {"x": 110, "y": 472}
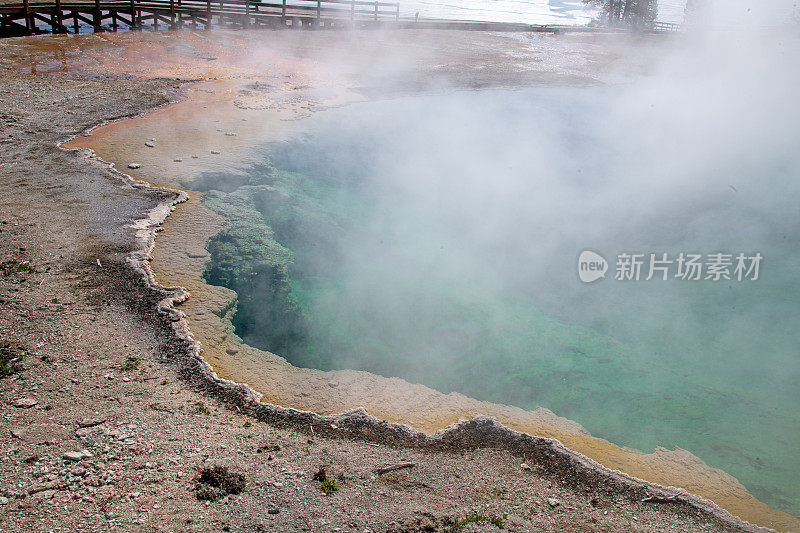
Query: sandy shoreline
{"x": 183, "y": 354}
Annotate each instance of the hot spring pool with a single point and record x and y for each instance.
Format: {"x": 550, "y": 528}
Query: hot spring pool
{"x": 436, "y": 238}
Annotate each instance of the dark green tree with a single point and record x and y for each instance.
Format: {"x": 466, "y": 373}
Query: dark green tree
{"x": 637, "y": 13}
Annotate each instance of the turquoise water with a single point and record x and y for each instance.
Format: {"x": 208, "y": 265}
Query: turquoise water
{"x": 436, "y": 239}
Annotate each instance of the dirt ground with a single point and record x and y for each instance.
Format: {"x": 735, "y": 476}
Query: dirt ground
{"x": 108, "y": 418}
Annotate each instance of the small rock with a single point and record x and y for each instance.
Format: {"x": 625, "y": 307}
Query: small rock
{"x": 273, "y": 511}
{"x": 82, "y": 433}
{"x": 17, "y": 433}
{"x": 525, "y": 466}
{"x": 24, "y": 403}
{"x": 333, "y": 384}
{"x": 126, "y": 379}
{"x": 78, "y": 471}
{"x": 553, "y": 502}
{"x": 231, "y": 134}
{"x": 150, "y": 144}
{"x": 89, "y": 422}
{"x": 3, "y": 500}
{"x": 177, "y": 160}
{"x": 77, "y": 456}
{"x": 232, "y": 351}
{"x": 134, "y": 165}
{"x": 215, "y": 152}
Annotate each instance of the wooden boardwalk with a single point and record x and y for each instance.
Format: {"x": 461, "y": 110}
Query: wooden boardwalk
{"x": 74, "y": 16}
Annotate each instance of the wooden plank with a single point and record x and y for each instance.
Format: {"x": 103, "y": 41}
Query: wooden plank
{"x": 122, "y": 19}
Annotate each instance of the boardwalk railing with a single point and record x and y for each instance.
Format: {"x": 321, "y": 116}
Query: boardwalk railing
{"x": 59, "y": 16}
{"x": 26, "y": 17}
{"x": 666, "y": 26}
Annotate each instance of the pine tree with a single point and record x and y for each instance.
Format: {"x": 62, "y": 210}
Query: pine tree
{"x": 639, "y": 13}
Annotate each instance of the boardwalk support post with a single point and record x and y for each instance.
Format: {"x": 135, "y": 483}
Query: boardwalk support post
{"x": 28, "y": 25}
{"x": 58, "y": 26}
{"x": 133, "y": 14}
{"x": 96, "y": 20}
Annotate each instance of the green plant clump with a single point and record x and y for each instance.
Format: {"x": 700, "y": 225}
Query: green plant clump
{"x": 202, "y": 409}
{"x": 329, "y": 486}
{"x": 8, "y": 363}
{"x": 131, "y": 363}
{"x": 12, "y": 267}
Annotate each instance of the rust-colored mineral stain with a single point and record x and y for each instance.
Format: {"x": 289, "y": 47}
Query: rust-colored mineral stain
{"x": 198, "y": 125}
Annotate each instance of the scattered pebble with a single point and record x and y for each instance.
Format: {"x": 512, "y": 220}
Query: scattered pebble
{"x": 231, "y": 134}
{"x": 553, "y": 502}
{"x": 150, "y": 144}
{"x": 217, "y": 152}
{"x": 89, "y": 422}
{"x": 134, "y": 165}
{"x": 77, "y": 456}
{"x": 24, "y": 403}
{"x": 177, "y": 160}
{"x": 525, "y": 466}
